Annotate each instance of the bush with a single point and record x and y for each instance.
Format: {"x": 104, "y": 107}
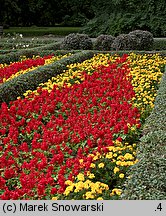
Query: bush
{"x": 77, "y": 41}
{"x": 123, "y": 42}
{"x": 135, "y": 40}
{"x": 142, "y": 40}
{"x": 148, "y": 176}
{"x": 104, "y": 42}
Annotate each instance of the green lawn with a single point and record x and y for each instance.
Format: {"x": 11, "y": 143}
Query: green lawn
{"x": 40, "y": 31}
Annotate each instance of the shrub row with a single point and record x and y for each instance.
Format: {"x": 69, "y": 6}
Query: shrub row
{"x": 135, "y": 40}
{"x": 15, "y": 54}
{"x": 8, "y": 56}
{"x": 148, "y": 176}
{"x": 18, "y": 45}
{"x": 159, "y": 44}
{"x": 17, "y": 86}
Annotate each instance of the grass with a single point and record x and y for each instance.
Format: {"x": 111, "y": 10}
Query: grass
{"x": 40, "y": 31}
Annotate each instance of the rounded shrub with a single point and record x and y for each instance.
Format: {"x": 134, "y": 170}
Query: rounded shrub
{"x": 143, "y": 40}
{"x": 123, "y": 42}
{"x": 104, "y": 42}
{"x": 77, "y": 41}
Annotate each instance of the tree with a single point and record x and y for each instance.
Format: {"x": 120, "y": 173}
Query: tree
{"x": 121, "y": 16}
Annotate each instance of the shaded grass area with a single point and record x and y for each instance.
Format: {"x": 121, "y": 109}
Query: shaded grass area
{"x": 40, "y": 31}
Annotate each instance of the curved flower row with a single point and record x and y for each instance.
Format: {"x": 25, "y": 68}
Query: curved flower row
{"x": 17, "y": 68}
{"x": 74, "y": 72}
{"x": 9, "y": 70}
{"x": 51, "y": 139}
{"x": 146, "y": 71}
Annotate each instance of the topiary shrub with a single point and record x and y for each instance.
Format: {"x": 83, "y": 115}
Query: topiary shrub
{"x": 143, "y": 40}
{"x": 104, "y": 42}
{"x": 123, "y": 42}
{"x": 77, "y": 41}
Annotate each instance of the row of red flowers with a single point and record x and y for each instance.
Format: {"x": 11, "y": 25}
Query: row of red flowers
{"x": 13, "y": 68}
{"x": 43, "y": 140}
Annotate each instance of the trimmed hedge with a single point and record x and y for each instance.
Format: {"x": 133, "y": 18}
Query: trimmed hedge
{"x": 11, "y": 89}
{"x": 148, "y": 177}
{"x": 15, "y": 55}
{"x": 159, "y": 44}
{"x": 77, "y": 41}
{"x": 18, "y": 45}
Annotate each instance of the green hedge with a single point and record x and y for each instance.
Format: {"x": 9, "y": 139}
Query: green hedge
{"x": 11, "y": 45}
{"x": 17, "y": 86}
{"x": 15, "y": 54}
{"x": 159, "y": 44}
{"x": 148, "y": 177}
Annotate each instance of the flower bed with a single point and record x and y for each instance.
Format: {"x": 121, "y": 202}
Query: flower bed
{"x": 15, "y": 69}
{"x": 75, "y": 141}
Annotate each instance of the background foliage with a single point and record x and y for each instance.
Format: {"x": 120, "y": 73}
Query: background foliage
{"x": 121, "y": 16}
{"x": 97, "y": 16}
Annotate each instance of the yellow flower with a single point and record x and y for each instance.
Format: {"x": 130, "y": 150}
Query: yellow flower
{"x": 90, "y": 175}
{"x": 79, "y": 186}
{"x": 80, "y": 177}
{"x": 121, "y": 175}
{"x": 68, "y": 182}
{"x": 99, "y": 198}
{"x": 115, "y": 155}
{"x": 87, "y": 184}
{"x": 128, "y": 156}
{"x": 116, "y": 191}
{"x": 81, "y": 161}
{"x": 92, "y": 165}
{"x": 89, "y": 195}
{"x": 118, "y": 163}
{"x": 68, "y": 190}
{"x": 101, "y": 165}
{"x": 54, "y": 198}
{"x": 116, "y": 169}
